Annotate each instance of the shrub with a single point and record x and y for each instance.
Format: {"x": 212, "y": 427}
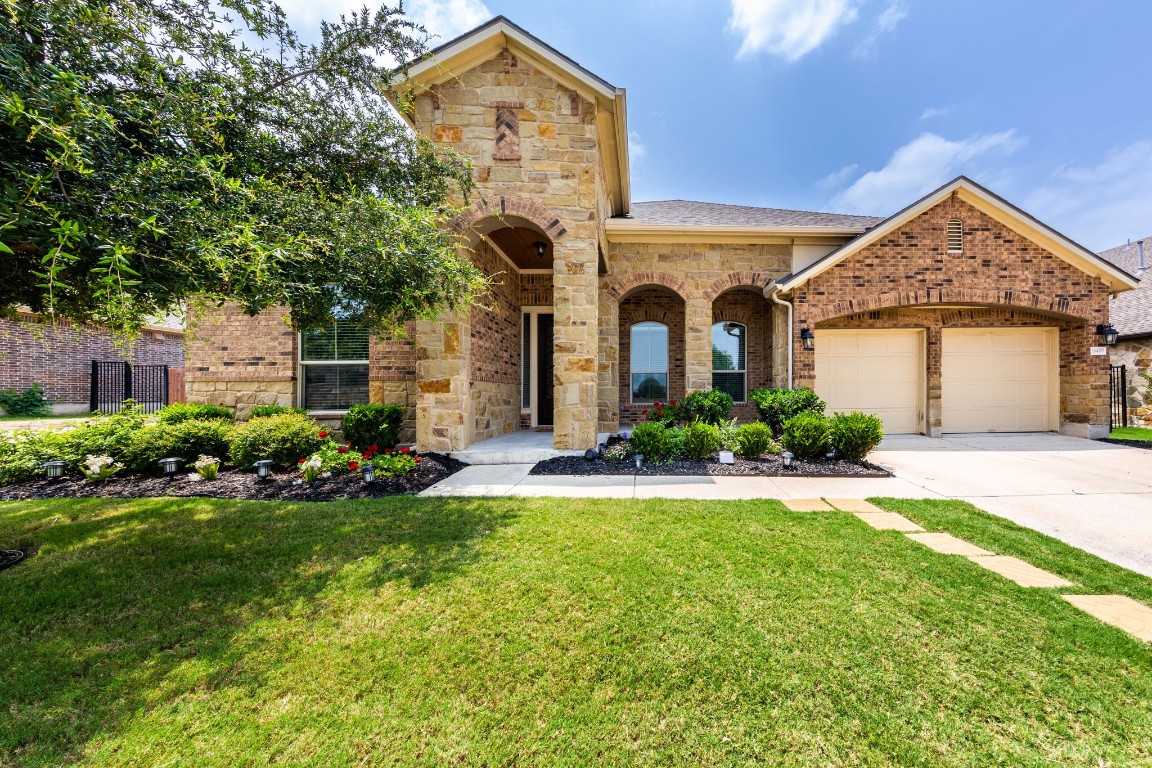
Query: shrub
{"x": 754, "y": 440}
{"x": 701, "y": 440}
{"x": 263, "y": 411}
{"x": 675, "y": 442}
{"x": 728, "y": 431}
{"x": 284, "y": 438}
{"x": 22, "y": 453}
{"x": 664, "y": 414}
{"x": 26, "y": 402}
{"x": 711, "y": 407}
{"x": 112, "y": 436}
{"x": 184, "y": 439}
{"x": 806, "y": 435}
{"x": 855, "y": 434}
{"x": 777, "y": 406}
{"x": 180, "y": 412}
{"x": 653, "y": 440}
{"x": 395, "y": 463}
{"x": 376, "y": 424}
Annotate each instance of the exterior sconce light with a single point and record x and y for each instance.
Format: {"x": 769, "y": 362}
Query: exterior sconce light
{"x": 1108, "y": 333}
{"x": 368, "y": 472}
{"x": 541, "y": 248}
{"x": 787, "y": 457}
{"x": 170, "y": 466}
{"x": 639, "y": 460}
{"x": 807, "y": 339}
{"x": 264, "y": 468}
{"x": 54, "y": 470}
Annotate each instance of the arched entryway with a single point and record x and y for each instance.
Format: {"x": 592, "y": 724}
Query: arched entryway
{"x": 741, "y": 337}
{"x": 651, "y": 333}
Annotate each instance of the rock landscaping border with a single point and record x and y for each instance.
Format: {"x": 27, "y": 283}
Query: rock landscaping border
{"x": 1145, "y": 444}
{"x": 767, "y": 466}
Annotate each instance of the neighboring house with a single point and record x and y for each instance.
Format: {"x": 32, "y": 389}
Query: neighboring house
{"x": 1131, "y": 313}
{"x": 59, "y": 357}
{"x": 960, "y": 313}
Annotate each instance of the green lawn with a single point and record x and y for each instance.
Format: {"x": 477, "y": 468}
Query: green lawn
{"x": 550, "y": 632}
{"x": 1132, "y": 433}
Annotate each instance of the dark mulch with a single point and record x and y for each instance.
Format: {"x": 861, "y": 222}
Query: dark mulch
{"x": 768, "y": 466}
{"x": 233, "y": 484}
{"x": 1145, "y": 444}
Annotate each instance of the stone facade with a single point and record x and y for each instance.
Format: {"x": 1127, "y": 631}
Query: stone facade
{"x": 998, "y": 268}
{"x": 1136, "y": 356}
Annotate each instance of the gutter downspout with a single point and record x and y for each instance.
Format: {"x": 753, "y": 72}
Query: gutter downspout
{"x": 775, "y": 296}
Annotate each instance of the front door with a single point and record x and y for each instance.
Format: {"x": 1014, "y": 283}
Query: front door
{"x": 544, "y": 388}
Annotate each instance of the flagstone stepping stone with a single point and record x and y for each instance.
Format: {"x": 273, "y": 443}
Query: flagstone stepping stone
{"x": 853, "y": 505}
{"x": 947, "y": 544}
{"x": 1119, "y": 611}
{"x": 806, "y": 505}
{"x": 888, "y": 521}
{"x": 1024, "y": 574}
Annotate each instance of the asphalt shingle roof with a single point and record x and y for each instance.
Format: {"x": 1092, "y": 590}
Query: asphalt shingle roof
{"x": 689, "y": 212}
{"x": 1131, "y": 311}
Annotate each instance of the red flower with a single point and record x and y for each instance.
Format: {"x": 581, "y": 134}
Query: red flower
{"x": 417, "y": 459}
{"x": 301, "y": 461}
{"x": 342, "y": 449}
{"x": 323, "y": 434}
{"x": 353, "y": 465}
{"x": 405, "y": 450}
{"x": 373, "y": 448}
{"x": 645, "y": 412}
{"x": 387, "y": 450}
{"x": 672, "y": 403}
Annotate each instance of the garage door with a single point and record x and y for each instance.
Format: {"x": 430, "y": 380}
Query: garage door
{"x": 998, "y": 380}
{"x": 876, "y": 372}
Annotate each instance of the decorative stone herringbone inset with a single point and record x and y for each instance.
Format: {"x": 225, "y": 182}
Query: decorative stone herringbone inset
{"x": 1119, "y": 611}
{"x": 806, "y": 505}
{"x": 888, "y": 521}
{"x": 1024, "y": 574}
{"x": 947, "y": 544}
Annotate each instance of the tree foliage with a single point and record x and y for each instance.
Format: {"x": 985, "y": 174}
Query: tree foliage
{"x": 152, "y": 151}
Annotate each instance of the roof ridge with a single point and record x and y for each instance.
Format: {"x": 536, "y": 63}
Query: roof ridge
{"x": 756, "y": 207}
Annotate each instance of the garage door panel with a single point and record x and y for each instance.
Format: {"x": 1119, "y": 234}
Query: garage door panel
{"x": 872, "y": 371}
{"x": 997, "y": 380}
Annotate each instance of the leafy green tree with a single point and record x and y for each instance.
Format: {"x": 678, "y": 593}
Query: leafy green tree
{"x": 155, "y": 151}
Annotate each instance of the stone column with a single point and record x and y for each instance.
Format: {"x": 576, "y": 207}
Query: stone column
{"x": 443, "y": 399}
{"x": 697, "y": 344}
{"x": 576, "y": 338}
{"x": 608, "y": 397}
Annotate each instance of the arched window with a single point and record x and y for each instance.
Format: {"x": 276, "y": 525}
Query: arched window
{"x": 730, "y": 360}
{"x": 955, "y": 236}
{"x": 649, "y": 353}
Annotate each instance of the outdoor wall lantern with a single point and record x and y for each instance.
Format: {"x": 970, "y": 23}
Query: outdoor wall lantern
{"x": 54, "y": 470}
{"x": 541, "y": 248}
{"x": 639, "y": 460}
{"x": 807, "y": 339}
{"x": 787, "y": 457}
{"x": 264, "y": 468}
{"x": 170, "y": 466}
{"x": 1108, "y": 333}
{"x": 368, "y": 472}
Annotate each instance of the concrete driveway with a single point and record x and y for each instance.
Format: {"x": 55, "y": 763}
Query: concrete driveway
{"x": 1095, "y": 496}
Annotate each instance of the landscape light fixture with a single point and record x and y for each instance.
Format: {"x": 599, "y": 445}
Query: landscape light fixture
{"x": 264, "y": 468}
{"x": 787, "y": 457}
{"x": 54, "y": 470}
{"x": 170, "y": 466}
{"x": 368, "y": 472}
{"x": 807, "y": 339}
{"x": 1108, "y": 333}
{"x": 541, "y": 248}
{"x": 639, "y": 460}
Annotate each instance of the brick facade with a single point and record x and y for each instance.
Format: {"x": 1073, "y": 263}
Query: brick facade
{"x": 60, "y": 357}
{"x": 655, "y": 305}
{"x": 754, "y": 312}
{"x": 496, "y": 351}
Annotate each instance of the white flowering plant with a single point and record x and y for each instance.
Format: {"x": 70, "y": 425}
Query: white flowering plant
{"x": 99, "y": 468}
{"x": 208, "y": 467}
{"x": 311, "y": 468}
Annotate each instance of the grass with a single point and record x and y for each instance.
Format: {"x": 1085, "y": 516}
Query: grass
{"x": 550, "y": 632}
{"x": 1132, "y": 433}
{"x": 50, "y": 417}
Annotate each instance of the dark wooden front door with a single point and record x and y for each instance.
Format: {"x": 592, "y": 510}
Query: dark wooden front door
{"x": 544, "y": 387}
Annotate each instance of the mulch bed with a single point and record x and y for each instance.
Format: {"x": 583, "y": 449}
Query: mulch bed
{"x": 767, "y": 466}
{"x": 234, "y": 484}
{"x": 1145, "y": 444}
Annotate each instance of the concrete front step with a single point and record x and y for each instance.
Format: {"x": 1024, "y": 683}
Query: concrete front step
{"x": 510, "y": 456}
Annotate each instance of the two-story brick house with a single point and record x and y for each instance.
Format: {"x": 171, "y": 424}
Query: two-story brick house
{"x": 960, "y": 313}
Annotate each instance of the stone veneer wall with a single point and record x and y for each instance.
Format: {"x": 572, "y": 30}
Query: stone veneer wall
{"x": 392, "y": 376}
{"x": 999, "y": 267}
{"x": 1136, "y": 355}
{"x": 752, "y": 310}
{"x": 656, "y": 305}
{"x": 496, "y": 350}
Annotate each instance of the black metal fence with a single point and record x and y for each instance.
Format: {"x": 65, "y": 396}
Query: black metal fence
{"x": 114, "y": 382}
{"x": 1118, "y": 397}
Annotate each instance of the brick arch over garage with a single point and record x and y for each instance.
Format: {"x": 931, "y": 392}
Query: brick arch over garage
{"x": 1060, "y": 307}
{"x": 620, "y": 288}
{"x": 509, "y": 206}
{"x": 757, "y": 280}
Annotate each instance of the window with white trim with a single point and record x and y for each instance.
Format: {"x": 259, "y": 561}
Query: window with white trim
{"x": 334, "y": 365}
{"x": 649, "y": 354}
{"x": 730, "y": 360}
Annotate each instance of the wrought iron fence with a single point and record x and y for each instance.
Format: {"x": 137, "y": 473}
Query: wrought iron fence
{"x": 114, "y": 382}
{"x": 1118, "y": 397}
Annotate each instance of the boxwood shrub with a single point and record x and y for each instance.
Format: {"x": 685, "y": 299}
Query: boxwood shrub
{"x": 777, "y": 406}
{"x": 652, "y": 440}
{"x": 373, "y": 424}
{"x": 806, "y": 435}
{"x": 179, "y": 412}
{"x": 753, "y": 440}
{"x": 263, "y": 411}
{"x": 854, "y": 435}
{"x": 187, "y": 440}
{"x": 701, "y": 440}
{"x": 711, "y": 407}
{"x": 284, "y": 438}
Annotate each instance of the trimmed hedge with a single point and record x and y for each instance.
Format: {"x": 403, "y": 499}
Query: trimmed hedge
{"x": 777, "y": 406}
{"x": 806, "y": 435}
{"x": 187, "y": 440}
{"x": 701, "y": 440}
{"x": 754, "y": 440}
{"x": 373, "y": 424}
{"x": 854, "y": 435}
{"x": 652, "y": 440}
{"x": 284, "y": 438}
{"x": 181, "y": 412}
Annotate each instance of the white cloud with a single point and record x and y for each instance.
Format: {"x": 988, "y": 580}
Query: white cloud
{"x": 1100, "y": 206}
{"x": 894, "y": 13}
{"x": 918, "y": 167}
{"x": 836, "y": 179}
{"x": 637, "y": 149}
{"x": 444, "y": 19}
{"x": 932, "y": 112}
{"x": 787, "y": 28}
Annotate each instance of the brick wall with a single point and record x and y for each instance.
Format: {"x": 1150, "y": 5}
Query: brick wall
{"x": 655, "y": 305}
{"x": 911, "y": 266}
{"x": 60, "y": 357}
{"x": 495, "y": 320}
{"x": 752, "y": 310}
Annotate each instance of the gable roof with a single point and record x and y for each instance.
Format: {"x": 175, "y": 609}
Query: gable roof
{"x": 688, "y": 212}
{"x": 992, "y": 205}
{"x": 1131, "y": 311}
{"x": 455, "y": 57}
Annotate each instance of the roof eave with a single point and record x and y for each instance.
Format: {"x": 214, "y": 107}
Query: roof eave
{"x": 626, "y": 231}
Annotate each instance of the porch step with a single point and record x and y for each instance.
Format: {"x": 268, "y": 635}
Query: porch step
{"x": 510, "y": 455}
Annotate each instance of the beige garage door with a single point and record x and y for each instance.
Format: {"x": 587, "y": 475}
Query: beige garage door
{"x": 998, "y": 380}
{"x": 876, "y": 372}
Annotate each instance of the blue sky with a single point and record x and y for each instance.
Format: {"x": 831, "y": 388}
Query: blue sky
{"x": 862, "y": 106}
